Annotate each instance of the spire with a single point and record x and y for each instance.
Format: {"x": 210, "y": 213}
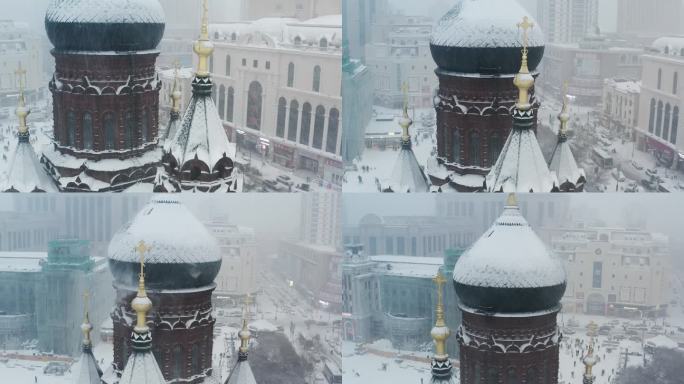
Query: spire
{"x": 141, "y": 304}
{"x": 524, "y": 80}
{"x": 175, "y": 92}
{"x": 564, "y": 115}
{"x": 86, "y": 327}
{"x": 22, "y": 111}
{"x": 441, "y": 371}
{"x": 244, "y": 333}
{"x": 589, "y": 361}
{"x": 242, "y": 372}
{"x": 405, "y": 122}
{"x": 203, "y": 47}
{"x": 88, "y": 370}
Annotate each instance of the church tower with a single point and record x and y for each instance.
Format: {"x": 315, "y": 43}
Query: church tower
{"x": 509, "y": 285}
{"x": 105, "y": 92}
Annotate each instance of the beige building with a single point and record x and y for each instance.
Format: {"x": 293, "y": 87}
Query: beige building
{"x": 614, "y": 271}
{"x": 649, "y": 18}
{"x": 19, "y": 47}
{"x": 659, "y": 130}
{"x": 621, "y": 105}
{"x": 298, "y": 9}
{"x": 237, "y": 276}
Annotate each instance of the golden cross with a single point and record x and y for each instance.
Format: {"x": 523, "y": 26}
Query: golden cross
{"x": 205, "y": 20}
{"x": 440, "y": 281}
{"x": 142, "y": 248}
{"x": 525, "y": 25}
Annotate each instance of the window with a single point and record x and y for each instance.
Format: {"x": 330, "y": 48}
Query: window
{"x": 319, "y": 125}
{"x": 660, "y": 77}
{"x": 492, "y": 376}
{"x": 244, "y": 62}
{"x": 254, "y": 101}
{"x": 110, "y": 131}
{"x": 511, "y": 376}
{"x": 651, "y": 118}
{"x": 333, "y": 124}
{"x": 145, "y": 125}
{"x": 456, "y": 146}
{"x": 597, "y": 276}
{"x": 317, "y": 79}
{"x": 389, "y": 245}
{"x": 323, "y": 44}
{"x": 177, "y": 362}
{"x": 282, "y": 112}
{"x": 196, "y": 368}
{"x": 290, "y": 75}
{"x": 71, "y": 129}
{"x": 306, "y": 124}
{"x": 222, "y": 102}
{"x": 675, "y": 125}
{"x": 130, "y": 130}
{"x": 531, "y": 375}
{"x": 87, "y": 131}
{"x": 666, "y": 124}
{"x": 255, "y": 63}
{"x": 659, "y": 120}
{"x": 675, "y": 84}
{"x": 294, "y": 120}
{"x": 268, "y": 65}
{"x": 228, "y": 65}
{"x": 474, "y": 148}
{"x": 230, "y": 101}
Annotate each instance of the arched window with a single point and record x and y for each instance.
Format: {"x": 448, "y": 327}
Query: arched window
{"x": 532, "y": 376}
{"x": 222, "y": 102}
{"x": 660, "y": 77}
{"x": 306, "y": 124}
{"x": 494, "y": 149}
{"x": 228, "y": 65}
{"x": 290, "y": 75}
{"x": 323, "y": 44}
{"x": 317, "y": 79}
{"x": 511, "y": 376}
{"x": 659, "y": 119}
{"x": 666, "y": 123}
{"x": 319, "y": 126}
{"x": 177, "y": 362}
{"x": 675, "y": 85}
{"x": 71, "y": 129}
{"x": 675, "y": 125}
{"x": 456, "y": 146}
{"x": 254, "y": 101}
{"x": 129, "y": 132}
{"x": 474, "y": 148}
{"x": 87, "y": 131}
{"x": 109, "y": 131}
{"x": 196, "y": 368}
{"x": 298, "y": 40}
{"x": 667, "y": 50}
{"x": 145, "y": 125}
{"x": 282, "y": 113}
{"x": 333, "y": 124}
{"x": 294, "y": 120}
{"x": 651, "y": 117}
{"x": 230, "y": 101}
{"x": 233, "y": 36}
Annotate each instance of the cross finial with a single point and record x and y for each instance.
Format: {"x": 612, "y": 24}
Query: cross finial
{"x": 142, "y": 249}
{"x": 525, "y": 26}
{"x": 439, "y": 281}
{"x": 21, "y": 73}
{"x": 205, "y": 20}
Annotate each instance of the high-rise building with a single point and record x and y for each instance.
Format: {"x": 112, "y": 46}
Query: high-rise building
{"x": 105, "y": 121}
{"x": 567, "y": 21}
{"x": 477, "y": 47}
{"x": 644, "y": 18}
{"x": 321, "y": 219}
{"x": 298, "y": 9}
{"x": 237, "y": 276}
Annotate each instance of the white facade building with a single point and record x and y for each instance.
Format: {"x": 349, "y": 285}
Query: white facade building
{"x": 614, "y": 271}
{"x": 19, "y": 47}
{"x": 237, "y": 276}
{"x": 567, "y": 21}
{"x": 321, "y": 219}
{"x": 621, "y": 104}
{"x": 278, "y": 90}
{"x": 661, "y": 100}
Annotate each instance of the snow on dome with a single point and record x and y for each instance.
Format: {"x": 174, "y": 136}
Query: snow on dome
{"x": 105, "y": 11}
{"x": 670, "y": 45}
{"x": 173, "y": 233}
{"x": 509, "y": 255}
{"x": 485, "y": 23}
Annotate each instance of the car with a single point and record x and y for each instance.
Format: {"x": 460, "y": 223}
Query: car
{"x": 637, "y": 166}
{"x": 285, "y": 180}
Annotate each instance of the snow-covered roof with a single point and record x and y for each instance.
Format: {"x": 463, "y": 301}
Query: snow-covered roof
{"x": 670, "y": 45}
{"x": 485, "y": 23}
{"x": 421, "y": 267}
{"x": 26, "y": 173}
{"x": 241, "y": 374}
{"x": 105, "y": 11}
{"x": 201, "y": 134}
{"x": 509, "y": 255}
{"x": 521, "y": 166}
{"x": 407, "y": 176}
{"x": 22, "y": 261}
{"x": 142, "y": 368}
{"x": 563, "y": 164}
{"x": 172, "y": 232}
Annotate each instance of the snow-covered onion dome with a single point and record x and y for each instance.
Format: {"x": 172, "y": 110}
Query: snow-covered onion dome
{"x": 105, "y": 25}
{"x": 481, "y": 37}
{"x": 509, "y": 269}
{"x": 182, "y": 254}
